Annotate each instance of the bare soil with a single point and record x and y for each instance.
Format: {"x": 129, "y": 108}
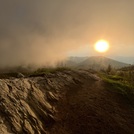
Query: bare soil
{"x": 91, "y": 108}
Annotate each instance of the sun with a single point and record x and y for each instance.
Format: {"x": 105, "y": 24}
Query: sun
{"x": 101, "y": 46}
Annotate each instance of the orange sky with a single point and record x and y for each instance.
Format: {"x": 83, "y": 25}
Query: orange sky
{"x": 46, "y": 31}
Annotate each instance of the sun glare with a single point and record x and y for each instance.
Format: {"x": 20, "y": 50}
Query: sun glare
{"x": 101, "y": 46}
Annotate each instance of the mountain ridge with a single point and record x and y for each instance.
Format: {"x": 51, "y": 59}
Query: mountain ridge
{"x": 93, "y": 62}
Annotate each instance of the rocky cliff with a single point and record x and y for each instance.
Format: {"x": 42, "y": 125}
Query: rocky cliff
{"x": 64, "y": 102}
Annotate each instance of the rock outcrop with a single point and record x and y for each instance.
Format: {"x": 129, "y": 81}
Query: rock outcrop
{"x": 47, "y": 104}
{"x": 27, "y": 105}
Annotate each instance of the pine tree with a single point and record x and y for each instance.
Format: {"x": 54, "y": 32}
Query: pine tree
{"x": 109, "y": 69}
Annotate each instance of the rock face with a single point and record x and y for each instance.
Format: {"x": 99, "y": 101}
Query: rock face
{"x": 27, "y": 105}
{"x": 24, "y": 107}
{"x": 47, "y": 104}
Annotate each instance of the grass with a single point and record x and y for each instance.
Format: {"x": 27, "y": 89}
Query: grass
{"x": 42, "y": 71}
{"x": 36, "y": 73}
{"x": 117, "y": 84}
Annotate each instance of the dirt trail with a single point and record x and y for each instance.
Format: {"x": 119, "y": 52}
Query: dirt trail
{"x": 90, "y": 108}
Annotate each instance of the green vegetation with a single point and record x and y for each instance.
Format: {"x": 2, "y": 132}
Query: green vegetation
{"x": 26, "y": 73}
{"x": 42, "y": 71}
{"x": 119, "y": 84}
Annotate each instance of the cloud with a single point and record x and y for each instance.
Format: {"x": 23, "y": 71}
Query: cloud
{"x": 43, "y": 32}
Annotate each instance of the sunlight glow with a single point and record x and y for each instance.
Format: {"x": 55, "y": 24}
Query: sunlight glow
{"x": 101, "y": 46}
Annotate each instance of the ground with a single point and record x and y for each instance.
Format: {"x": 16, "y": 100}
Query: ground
{"x": 63, "y": 102}
{"x": 91, "y": 108}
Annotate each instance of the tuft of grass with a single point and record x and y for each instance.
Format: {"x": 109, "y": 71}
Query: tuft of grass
{"x": 115, "y": 77}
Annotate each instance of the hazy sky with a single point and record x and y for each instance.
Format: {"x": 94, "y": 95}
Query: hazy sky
{"x": 45, "y": 31}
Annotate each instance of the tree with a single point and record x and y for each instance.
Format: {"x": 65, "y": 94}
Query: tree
{"x": 109, "y": 69}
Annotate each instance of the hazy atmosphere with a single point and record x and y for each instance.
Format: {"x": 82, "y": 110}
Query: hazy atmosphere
{"x": 66, "y": 66}
{"x": 43, "y": 32}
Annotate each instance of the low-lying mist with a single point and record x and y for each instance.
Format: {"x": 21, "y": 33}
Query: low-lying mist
{"x": 31, "y": 34}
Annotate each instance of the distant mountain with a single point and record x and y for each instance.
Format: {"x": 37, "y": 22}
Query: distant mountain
{"x": 73, "y": 61}
{"x": 94, "y": 62}
{"x": 77, "y": 59}
{"x": 129, "y": 60}
{"x": 99, "y": 62}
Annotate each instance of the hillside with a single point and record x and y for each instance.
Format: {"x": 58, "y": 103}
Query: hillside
{"x": 63, "y": 102}
{"x": 77, "y": 59}
{"x": 94, "y": 62}
{"x": 99, "y": 62}
{"x": 73, "y": 61}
